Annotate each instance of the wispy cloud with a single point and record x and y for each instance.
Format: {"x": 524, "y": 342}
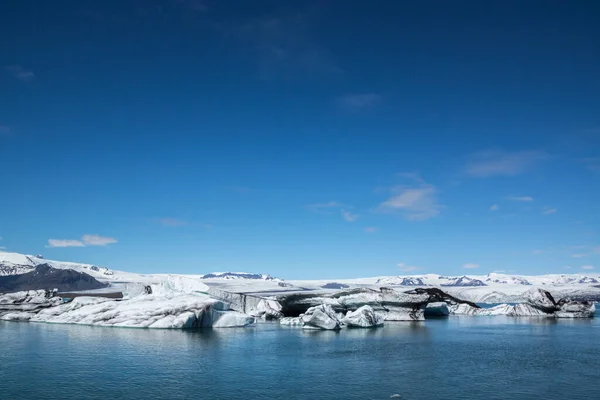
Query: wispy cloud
{"x": 172, "y": 222}
{"x": 408, "y": 268}
{"x": 500, "y": 163}
{"x": 579, "y": 255}
{"x": 413, "y": 176}
{"x": 371, "y": 229}
{"x": 494, "y": 207}
{"x": 95, "y": 240}
{"x": 471, "y": 266}
{"x": 21, "y": 73}
{"x": 415, "y": 204}
{"x": 332, "y": 207}
{"x": 537, "y": 251}
{"x": 86, "y": 240}
{"x": 549, "y": 211}
{"x": 519, "y": 198}
{"x": 587, "y": 267}
{"x": 359, "y": 101}
{"x": 65, "y": 243}
{"x": 348, "y": 216}
{"x": 320, "y": 207}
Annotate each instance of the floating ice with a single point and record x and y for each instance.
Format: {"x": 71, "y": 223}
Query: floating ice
{"x": 364, "y": 317}
{"x": 321, "y": 317}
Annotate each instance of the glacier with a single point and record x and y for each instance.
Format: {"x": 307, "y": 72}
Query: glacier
{"x": 142, "y": 311}
{"x": 540, "y": 303}
{"x": 229, "y": 299}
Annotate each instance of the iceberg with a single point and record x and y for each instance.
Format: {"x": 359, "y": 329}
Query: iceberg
{"x": 437, "y": 309}
{"x": 540, "y": 303}
{"x": 391, "y": 304}
{"x": 291, "y": 321}
{"x": 321, "y": 317}
{"x": 142, "y": 311}
{"x": 364, "y": 317}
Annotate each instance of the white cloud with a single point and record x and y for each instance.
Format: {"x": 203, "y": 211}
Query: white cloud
{"x": 86, "y": 240}
{"x": 500, "y": 163}
{"x": 371, "y": 229}
{"x": 537, "y": 251}
{"x": 519, "y": 198}
{"x": 494, "y": 207}
{"x": 471, "y": 266}
{"x": 579, "y": 255}
{"x": 415, "y": 204}
{"x": 348, "y": 216}
{"x": 95, "y": 240}
{"x": 357, "y": 102}
{"x": 568, "y": 267}
{"x": 500, "y": 271}
{"x": 21, "y": 73}
{"x": 65, "y": 243}
{"x": 587, "y": 267}
{"x": 550, "y": 211}
{"x": 408, "y": 268}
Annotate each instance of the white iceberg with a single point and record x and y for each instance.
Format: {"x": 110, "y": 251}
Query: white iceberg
{"x": 143, "y": 311}
{"x": 321, "y": 317}
{"x": 364, "y": 317}
{"x": 291, "y": 321}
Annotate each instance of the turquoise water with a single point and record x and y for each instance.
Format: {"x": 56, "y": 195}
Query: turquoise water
{"x": 454, "y": 358}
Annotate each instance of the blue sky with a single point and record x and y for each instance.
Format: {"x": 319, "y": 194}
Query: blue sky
{"x": 302, "y": 139}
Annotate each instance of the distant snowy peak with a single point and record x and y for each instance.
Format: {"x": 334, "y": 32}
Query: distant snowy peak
{"x": 17, "y": 264}
{"x": 401, "y": 281}
{"x": 461, "y": 281}
{"x": 238, "y": 275}
{"x": 507, "y": 279}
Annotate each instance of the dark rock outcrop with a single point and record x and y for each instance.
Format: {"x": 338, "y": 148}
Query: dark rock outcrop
{"x": 335, "y": 285}
{"x": 44, "y": 277}
{"x": 438, "y": 295}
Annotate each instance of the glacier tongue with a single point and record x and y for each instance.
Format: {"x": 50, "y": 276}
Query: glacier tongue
{"x": 540, "y": 303}
{"x": 143, "y": 311}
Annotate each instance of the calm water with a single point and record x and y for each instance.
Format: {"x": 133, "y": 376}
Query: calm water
{"x": 455, "y": 358}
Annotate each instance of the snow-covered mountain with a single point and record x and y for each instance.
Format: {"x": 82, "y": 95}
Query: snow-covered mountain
{"x": 15, "y": 264}
{"x": 491, "y": 288}
{"x": 238, "y": 275}
{"x": 48, "y": 278}
{"x": 402, "y": 281}
{"x": 461, "y": 281}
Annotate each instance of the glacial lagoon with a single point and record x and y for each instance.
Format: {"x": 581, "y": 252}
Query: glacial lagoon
{"x": 450, "y": 358}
